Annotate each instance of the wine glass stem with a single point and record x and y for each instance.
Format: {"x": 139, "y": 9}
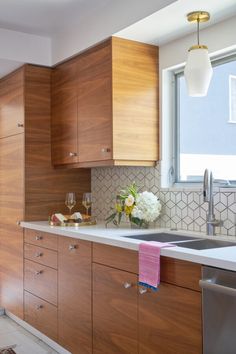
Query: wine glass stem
{"x": 87, "y": 211}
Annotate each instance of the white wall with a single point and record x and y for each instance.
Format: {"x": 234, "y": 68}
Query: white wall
{"x": 25, "y": 48}
{"x": 217, "y": 37}
{"x": 101, "y": 25}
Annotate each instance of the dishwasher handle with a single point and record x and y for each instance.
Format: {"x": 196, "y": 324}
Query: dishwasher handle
{"x": 209, "y": 284}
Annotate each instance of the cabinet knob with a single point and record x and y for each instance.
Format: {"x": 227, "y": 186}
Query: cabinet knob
{"x": 72, "y": 247}
{"x": 38, "y": 272}
{"x": 39, "y": 254}
{"x": 38, "y": 238}
{"x": 104, "y": 150}
{"x": 72, "y": 154}
{"x": 39, "y": 307}
{"x": 20, "y": 125}
{"x": 142, "y": 291}
{"x": 127, "y": 285}
{"x": 18, "y": 222}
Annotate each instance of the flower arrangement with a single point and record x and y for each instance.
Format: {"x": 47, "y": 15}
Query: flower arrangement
{"x": 139, "y": 207}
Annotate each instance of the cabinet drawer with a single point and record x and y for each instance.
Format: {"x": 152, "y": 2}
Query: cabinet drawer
{"x": 41, "y": 281}
{"x": 181, "y": 273}
{"x": 41, "y": 315}
{"x": 116, "y": 257}
{"x": 41, "y": 255}
{"x": 41, "y": 239}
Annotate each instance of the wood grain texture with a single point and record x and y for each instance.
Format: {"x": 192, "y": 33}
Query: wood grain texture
{"x": 45, "y": 186}
{"x": 64, "y": 113}
{"x": 30, "y": 188}
{"x": 11, "y": 211}
{"x": 12, "y": 104}
{"x": 42, "y": 239}
{"x": 181, "y": 273}
{"x": 115, "y": 163}
{"x": 117, "y": 95}
{"x": 135, "y": 100}
{"x": 41, "y": 255}
{"x": 95, "y": 104}
{"x": 170, "y": 321}
{"x": 115, "y": 311}
{"x": 40, "y": 281}
{"x": 11, "y": 269}
{"x": 74, "y": 295}
{"x": 41, "y": 315}
{"x": 116, "y": 257}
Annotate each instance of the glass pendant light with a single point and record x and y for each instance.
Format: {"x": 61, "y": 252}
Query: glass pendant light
{"x": 198, "y": 70}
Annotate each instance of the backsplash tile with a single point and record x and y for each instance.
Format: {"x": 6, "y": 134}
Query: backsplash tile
{"x": 180, "y": 209}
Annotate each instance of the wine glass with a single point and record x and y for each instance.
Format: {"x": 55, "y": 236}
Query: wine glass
{"x": 87, "y": 201}
{"x": 70, "y": 200}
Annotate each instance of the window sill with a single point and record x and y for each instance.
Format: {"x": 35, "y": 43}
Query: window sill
{"x": 197, "y": 187}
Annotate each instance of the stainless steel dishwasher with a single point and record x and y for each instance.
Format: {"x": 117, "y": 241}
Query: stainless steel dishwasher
{"x": 219, "y": 311}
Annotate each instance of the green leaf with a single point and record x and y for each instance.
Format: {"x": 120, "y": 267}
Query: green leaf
{"x": 119, "y": 218}
{"x": 110, "y": 218}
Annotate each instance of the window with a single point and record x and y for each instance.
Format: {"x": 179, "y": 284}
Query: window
{"x": 204, "y": 135}
{"x": 232, "y": 99}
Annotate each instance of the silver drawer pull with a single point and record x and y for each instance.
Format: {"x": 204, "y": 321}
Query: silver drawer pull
{"x": 72, "y": 247}
{"x": 38, "y": 238}
{"x": 39, "y": 307}
{"x": 103, "y": 150}
{"x": 142, "y": 291}
{"x": 20, "y": 125}
{"x": 39, "y": 254}
{"x": 72, "y": 154}
{"x": 127, "y": 285}
{"x": 38, "y": 272}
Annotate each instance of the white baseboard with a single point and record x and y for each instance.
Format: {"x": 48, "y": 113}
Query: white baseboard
{"x": 36, "y": 333}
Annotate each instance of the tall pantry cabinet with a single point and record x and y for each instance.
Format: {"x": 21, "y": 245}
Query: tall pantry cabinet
{"x": 30, "y": 188}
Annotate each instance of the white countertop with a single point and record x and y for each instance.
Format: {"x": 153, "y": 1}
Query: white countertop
{"x": 224, "y": 257}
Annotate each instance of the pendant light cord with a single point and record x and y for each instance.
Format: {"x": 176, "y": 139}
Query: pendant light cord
{"x": 198, "y": 21}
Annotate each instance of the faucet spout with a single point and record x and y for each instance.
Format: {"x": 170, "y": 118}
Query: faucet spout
{"x": 209, "y": 198}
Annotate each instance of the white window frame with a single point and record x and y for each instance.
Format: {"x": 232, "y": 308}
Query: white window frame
{"x": 231, "y": 103}
{"x": 168, "y": 130}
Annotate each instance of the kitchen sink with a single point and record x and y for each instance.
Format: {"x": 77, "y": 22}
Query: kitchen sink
{"x": 205, "y": 244}
{"x": 162, "y": 237}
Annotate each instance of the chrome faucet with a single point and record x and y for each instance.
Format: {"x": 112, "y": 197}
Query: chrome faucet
{"x": 211, "y": 221}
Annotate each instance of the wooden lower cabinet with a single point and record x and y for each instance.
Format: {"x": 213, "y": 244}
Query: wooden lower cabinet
{"x": 129, "y": 320}
{"x": 41, "y": 315}
{"x": 41, "y": 281}
{"x": 170, "y": 321}
{"x": 11, "y": 269}
{"x": 92, "y": 303}
{"x": 115, "y": 311}
{"x": 74, "y": 295}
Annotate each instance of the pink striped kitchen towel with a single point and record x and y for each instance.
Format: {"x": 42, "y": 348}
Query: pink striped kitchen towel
{"x": 149, "y": 263}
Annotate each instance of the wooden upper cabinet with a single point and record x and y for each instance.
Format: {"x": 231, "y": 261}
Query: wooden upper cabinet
{"x": 117, "y": 106}
{"x": 135, "y": 102}
{"x": 95, "y": 104}
{"x": 12, "y": 104}
{"x": 64, "y": 114}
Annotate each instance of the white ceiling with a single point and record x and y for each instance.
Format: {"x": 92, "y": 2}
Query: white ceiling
{"x": 45, "y": 17}
{"x": 70, "y": 26}
{"x": 170, "y": 22}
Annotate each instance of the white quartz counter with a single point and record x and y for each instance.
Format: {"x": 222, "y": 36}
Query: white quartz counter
{"x": 219, "y": 257}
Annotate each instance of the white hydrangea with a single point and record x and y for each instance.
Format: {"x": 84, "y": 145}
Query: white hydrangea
{"x": 147, "y": 208}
